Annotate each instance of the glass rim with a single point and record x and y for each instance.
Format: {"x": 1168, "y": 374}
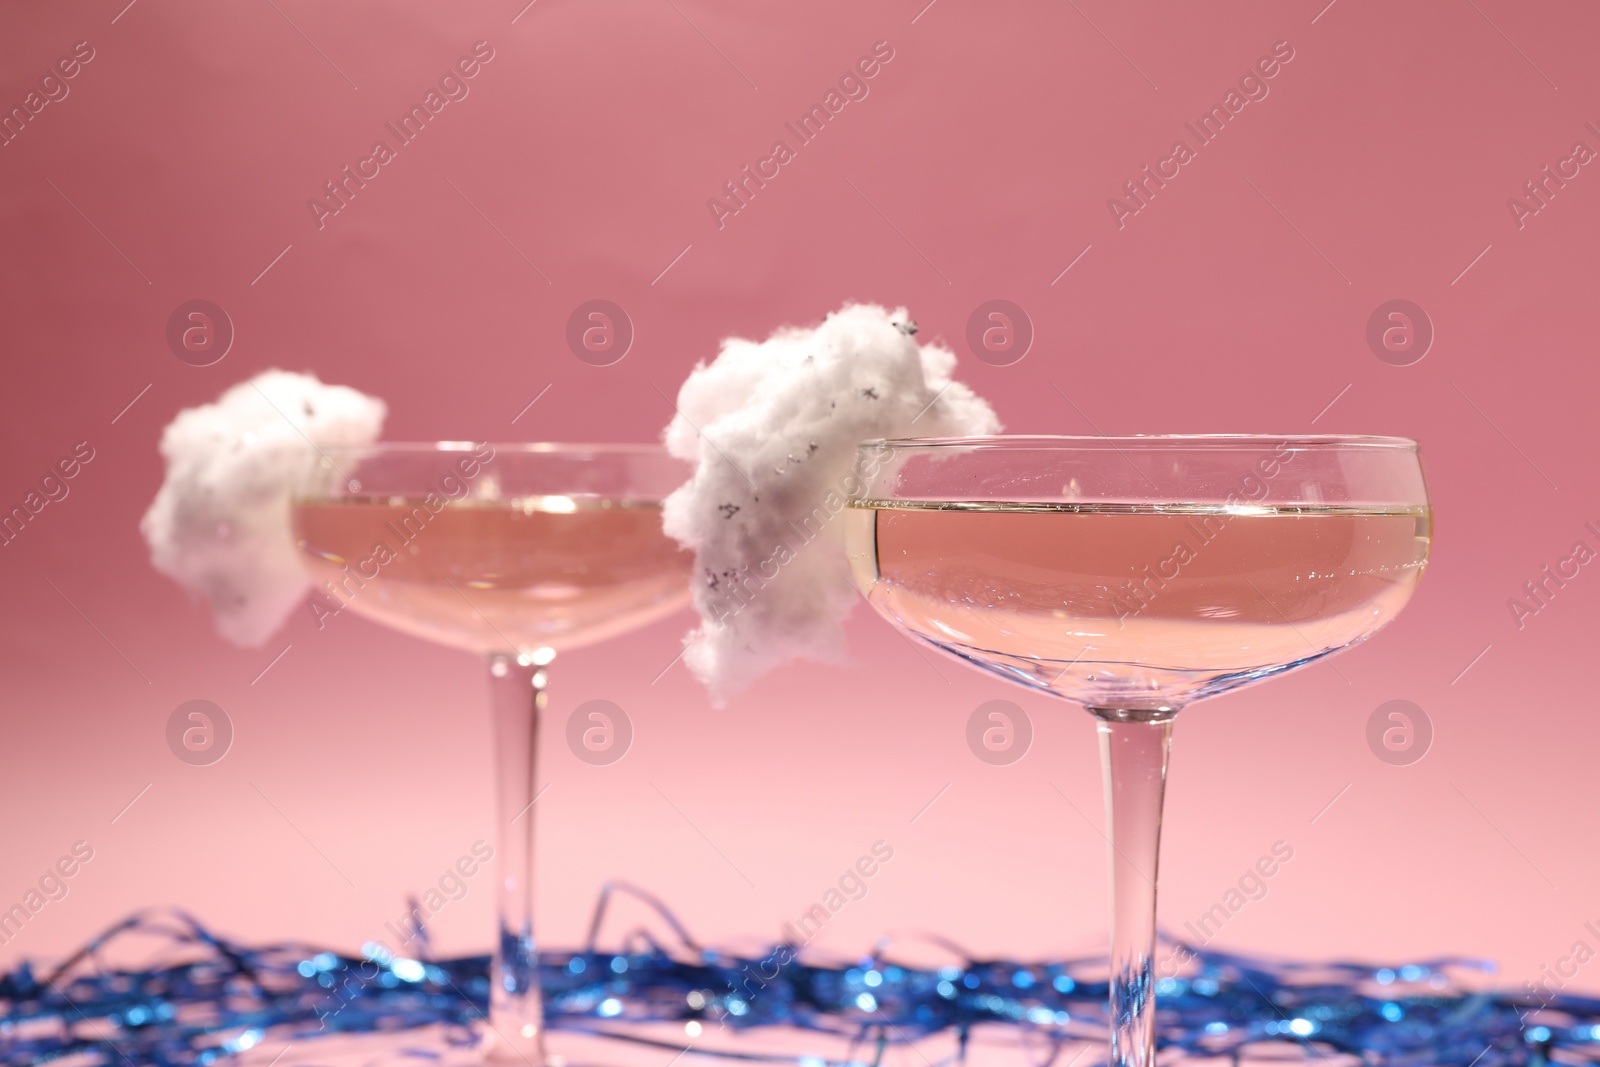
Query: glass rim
{"x": 1092, "y": 442}
{"x": 550, "y": 448}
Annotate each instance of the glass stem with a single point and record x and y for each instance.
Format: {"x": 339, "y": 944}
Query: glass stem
{"x": 516, "y": 1010}
{"x": 1133, "y": 762}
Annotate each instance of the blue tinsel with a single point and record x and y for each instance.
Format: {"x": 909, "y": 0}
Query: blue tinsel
{"x": 217, "y": 997}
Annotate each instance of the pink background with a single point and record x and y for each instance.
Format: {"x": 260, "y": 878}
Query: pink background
{"x": 979, "y": 167}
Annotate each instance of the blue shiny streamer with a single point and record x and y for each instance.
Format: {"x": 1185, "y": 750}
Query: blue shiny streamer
{"x": 217, "y": 997}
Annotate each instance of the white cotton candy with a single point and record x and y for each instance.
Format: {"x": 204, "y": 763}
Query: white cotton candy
{"x": 773, "y": 429}
{"x": 220, "y": 525}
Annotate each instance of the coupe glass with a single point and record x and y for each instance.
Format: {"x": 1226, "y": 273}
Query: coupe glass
{"x": 1134, "y": 575}
{"x": 514, "y": 552}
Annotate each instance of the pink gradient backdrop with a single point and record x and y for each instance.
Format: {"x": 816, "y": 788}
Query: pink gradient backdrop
{"x": 978, "y": 167}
